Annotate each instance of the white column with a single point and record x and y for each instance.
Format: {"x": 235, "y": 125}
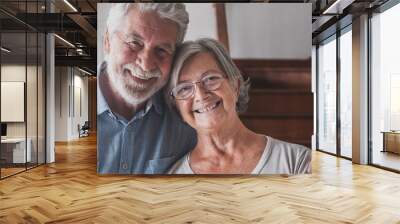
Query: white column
{"x": 50, "y": 110}
{"x": 50, "y": 93}
{"x": 360, "y": 90}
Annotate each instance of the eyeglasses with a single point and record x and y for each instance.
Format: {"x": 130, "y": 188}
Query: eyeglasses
{"x": 186, "y": 90}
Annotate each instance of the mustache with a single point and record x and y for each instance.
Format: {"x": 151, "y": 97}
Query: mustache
{"x": 137, "y": 71}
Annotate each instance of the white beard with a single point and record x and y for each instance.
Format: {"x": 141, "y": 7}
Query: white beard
{"x": 132, "y": 92}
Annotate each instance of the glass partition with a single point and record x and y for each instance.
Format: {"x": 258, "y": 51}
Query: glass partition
{"x": 327, "y": 95}
{"x": 22, "y": 77}
{"x": 31, "y": 97}
{"x": 346, "y": 93}
{"x": 13, "y": 110}
{"x": 385, "y": 88}
{"x": 41, "y": 91}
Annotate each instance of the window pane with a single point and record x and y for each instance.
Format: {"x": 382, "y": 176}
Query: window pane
{"x": 345, "y": 94}
{"x": 14, "y": 153}
{"x": 31, "y": 96}
{"x": 327, "y": 97}
{"x": 41, "y": 98}
{"x": 385, "y": 86}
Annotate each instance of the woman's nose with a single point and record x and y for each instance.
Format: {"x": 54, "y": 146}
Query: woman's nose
{"x": 200, "y": 93}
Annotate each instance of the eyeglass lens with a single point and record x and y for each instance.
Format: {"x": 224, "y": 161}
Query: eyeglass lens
{"x": 209, "y": 83}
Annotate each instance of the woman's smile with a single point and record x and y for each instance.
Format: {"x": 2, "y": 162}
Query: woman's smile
{"x": 208, "y": 107}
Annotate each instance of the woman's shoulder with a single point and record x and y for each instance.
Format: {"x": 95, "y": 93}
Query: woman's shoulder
{"x": 280, "y": 145}
{"x": 288, "y": 158}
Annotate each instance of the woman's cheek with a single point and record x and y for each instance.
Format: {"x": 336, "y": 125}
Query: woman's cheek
{"x": 185, "y": 112}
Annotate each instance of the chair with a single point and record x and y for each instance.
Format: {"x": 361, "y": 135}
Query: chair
{"x": 84, "y": 130}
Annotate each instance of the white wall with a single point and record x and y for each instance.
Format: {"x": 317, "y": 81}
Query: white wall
{"x": 269, "y": 31}
{"x": 68, "y": 83}
{"x": 17, "y": 72}
{"x": 80, "y": 84}
{"x": 33, "y": 125}
{"x": 61, "y": 103}
{"x": 203, "y": 22}
{"x": 102, "y": 14}
{"x": 255, "y": 30}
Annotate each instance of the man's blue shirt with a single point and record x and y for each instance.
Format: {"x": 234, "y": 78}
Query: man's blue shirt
{"x": 150, "y": 143}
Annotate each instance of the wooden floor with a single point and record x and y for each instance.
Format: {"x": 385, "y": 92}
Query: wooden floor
{"x": 387, "y": 159}
{"x": 70, "y": 191}
{"x": 5, "y": 172}
{"x": 10, "y": 171}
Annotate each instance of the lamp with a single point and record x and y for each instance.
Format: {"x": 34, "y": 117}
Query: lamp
{"x": 5, "y": 49}
{"x": 70, "y": 5}
{"x": 64, "y": 40}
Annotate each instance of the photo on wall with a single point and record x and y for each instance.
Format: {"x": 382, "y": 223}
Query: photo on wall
{"x": 204, "y": 88}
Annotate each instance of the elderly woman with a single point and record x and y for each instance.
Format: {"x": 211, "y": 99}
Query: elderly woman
{"x": 208, "y": 91}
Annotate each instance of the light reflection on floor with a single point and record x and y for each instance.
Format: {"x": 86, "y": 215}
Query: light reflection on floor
{"x": 386, "y": 159}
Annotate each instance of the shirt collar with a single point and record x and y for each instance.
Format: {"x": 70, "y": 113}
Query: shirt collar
{"x": 156, "y": 100}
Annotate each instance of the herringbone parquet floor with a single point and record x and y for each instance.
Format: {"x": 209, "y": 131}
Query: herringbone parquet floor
{"x": 70, "y": 191}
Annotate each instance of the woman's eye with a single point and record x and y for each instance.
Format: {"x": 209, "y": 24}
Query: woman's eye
{"x": 211, "y": 78}
{"x": 185, "y": 88}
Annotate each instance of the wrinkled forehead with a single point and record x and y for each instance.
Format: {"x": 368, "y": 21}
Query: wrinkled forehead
{"x": 149, "y": 24}
{"x": 199, "y": 65}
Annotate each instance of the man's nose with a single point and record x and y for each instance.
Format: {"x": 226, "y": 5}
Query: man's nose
{"x": 145, "y": 60}
{"x": 200, "y": 93}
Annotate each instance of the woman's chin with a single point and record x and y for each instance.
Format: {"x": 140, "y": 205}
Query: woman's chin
{"x": 208, "y": 123}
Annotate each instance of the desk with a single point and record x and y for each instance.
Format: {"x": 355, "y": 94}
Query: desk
{"x": 391, "y": 141}
{"x": 13, "y": 150}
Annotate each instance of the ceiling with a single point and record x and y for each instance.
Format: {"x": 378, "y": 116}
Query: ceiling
{"x": 76, "y": 20}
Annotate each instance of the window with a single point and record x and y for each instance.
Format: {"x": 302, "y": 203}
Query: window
{"x": 22, "y": 75}
{"x": 346, "y": 92}
{"x": 327, "y": 96}
{"x": 385, "y": 87}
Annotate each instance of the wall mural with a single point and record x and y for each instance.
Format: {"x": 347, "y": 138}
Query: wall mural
{"x": 172, "y": 98}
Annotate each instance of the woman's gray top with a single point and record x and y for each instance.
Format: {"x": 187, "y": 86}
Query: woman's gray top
{"x": 279, "y": 157}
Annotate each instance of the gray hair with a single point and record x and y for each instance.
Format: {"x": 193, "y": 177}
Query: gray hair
{"x": 190, "y": 48}
{"x": 175, "y": 12}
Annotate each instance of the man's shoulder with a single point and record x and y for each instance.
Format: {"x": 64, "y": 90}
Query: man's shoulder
{"x": 161, "y": 106}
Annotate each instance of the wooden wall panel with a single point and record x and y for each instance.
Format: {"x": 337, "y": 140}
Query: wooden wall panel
{"x": 277, "y": 74}
{"x": 92, "y": 100}
{"x": 222, "y": 28}
{"x": 281, "y": 101}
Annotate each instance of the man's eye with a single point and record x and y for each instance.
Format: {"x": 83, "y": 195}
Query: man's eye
{"x": 135, "y": 45}
{"x": 162, "y": 53}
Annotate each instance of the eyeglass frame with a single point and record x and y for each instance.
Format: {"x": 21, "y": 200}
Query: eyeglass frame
{"x": 222, "y": 77}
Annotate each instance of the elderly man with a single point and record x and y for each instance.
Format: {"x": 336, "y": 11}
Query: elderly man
{"x": 137, "y": 132}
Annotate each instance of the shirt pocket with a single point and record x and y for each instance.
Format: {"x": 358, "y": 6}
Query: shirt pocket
{"x": 159, "y": 166}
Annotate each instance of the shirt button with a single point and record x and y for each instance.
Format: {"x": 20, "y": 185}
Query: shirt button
{"x": 124, "y": 166}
